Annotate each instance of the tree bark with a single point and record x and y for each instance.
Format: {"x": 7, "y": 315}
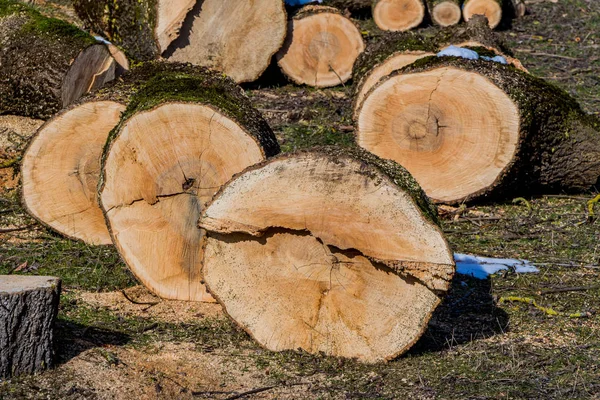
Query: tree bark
{"x": 331, "y": 264}
{"x": 321, "y": 47}
{"x": 28, "y": 308}
{"x": 46, "y": 63}
{"x": 546, "y": 143}
{"x": 181, "y": 137}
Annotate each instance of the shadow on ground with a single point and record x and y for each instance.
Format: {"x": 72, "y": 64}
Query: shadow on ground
{"x": 467, "y": 313}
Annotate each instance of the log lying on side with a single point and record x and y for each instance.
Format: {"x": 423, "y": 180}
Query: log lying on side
{"x": 444, "y": 12}
{"x": 28, "y": 308}
{"x": 321, "y": 47}
{"x": 389, "y": 15}
{"x": 472, "y": 129}
{"x": 144, "y": 28}
{"x": 391, "y": 54}
{"x": 328, "y": 250}
{"x": 61, "y": 166}
{"x": 237, "y": 37}
{"x": 492, "y": 9}
{"x": 47, "y": 64}
{"x": 179, "y": 140}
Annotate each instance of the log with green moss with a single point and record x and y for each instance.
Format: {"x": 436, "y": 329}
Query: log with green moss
{"x": 64, "y": 155}
{"x": 181, "y": 137}
{"x": 47, "y": 64}
{"x": 350, "y": 261}
{"x": 492, "y": 9}
{"x": 444, "y": 12}
{"x": 474, "y": 129}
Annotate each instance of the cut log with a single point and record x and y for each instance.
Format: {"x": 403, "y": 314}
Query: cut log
{"x": 445, "y": 12}
{"x": 321, "y": 47}
{"x": 237, "y": 37}
{"x": 46, "y": 63}
{"x": 398, "y": 15}
{"x": 28, "y": 308}
{"x": 349, "y": 262}
{"x": 61, "y": 166}
{"x": 180, "y": 139}
{"x": 144, "y": 28}
{"x": 392, "y": 53}
{"x": 519, "y": 8}
{"x": 492, "y": 9}
{"x": 471, "y": 129}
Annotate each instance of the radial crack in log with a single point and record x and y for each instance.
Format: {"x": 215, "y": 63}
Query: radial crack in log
{"x": 334, "y": 264}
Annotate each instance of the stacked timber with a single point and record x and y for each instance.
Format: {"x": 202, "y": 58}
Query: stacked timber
{"x": 444, "y": 12}
{"x": 237, "y": 37}
{"x": 47, "y": 64}
{"x": 321, "y": 47}
{"x": 389, "y": 15}
{"x": 492, "y": 9}
{"x": 327, "y": 250}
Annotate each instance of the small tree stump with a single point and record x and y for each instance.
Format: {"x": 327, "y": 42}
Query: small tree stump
{"x": 28, "y": 307}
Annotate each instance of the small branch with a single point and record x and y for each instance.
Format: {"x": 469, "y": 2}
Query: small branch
{"x": 22, "y": 228}
{"x": 546, "y": 310}
{"x": 141, "y": 303}
{"x": 568, "y": 289}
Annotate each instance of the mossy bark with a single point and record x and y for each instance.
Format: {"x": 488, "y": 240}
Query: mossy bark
{"x": 559, "y": 144}
{"x": 309, "y": 10}
{"x": 350, "y": 5}
{"x": 28, "y": 308}
{"x": 126, "y": 23}
{"x": 36, "y": 54}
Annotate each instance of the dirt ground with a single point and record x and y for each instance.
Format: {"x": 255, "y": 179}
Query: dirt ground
{"x": 477, "y": 345}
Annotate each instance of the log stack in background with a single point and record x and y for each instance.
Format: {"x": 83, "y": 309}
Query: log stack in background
{"x": 321, "y": 47}
{"x": 47, "y": 64}
{"x": 327, "y": 250}
{"x": 389, "y": 15}
{"x": 492, "y": 9}
{"x": 444, "y": 12}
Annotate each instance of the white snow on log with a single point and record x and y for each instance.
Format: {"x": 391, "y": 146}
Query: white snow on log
{"x": 482, "y": 267}
{"x": 498, "y": 59}
{"x": 453, "y": 51}
{"x": 101, "y": 40}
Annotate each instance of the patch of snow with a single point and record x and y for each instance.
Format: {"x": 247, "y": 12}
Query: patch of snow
{"x": 482, "y": 267}
{"x": 101, "y": 40}
{"x": 301, "y": 2}
{"x": 498, "y": 59}
{"x": 453, "y": 51}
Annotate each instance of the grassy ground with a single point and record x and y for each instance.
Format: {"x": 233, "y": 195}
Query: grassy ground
{"x": 477, "y": 346}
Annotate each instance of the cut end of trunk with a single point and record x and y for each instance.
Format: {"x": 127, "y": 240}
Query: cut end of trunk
{"x": 490, "y": 8}
{"x": 455, "y": 131}
{"x": 446, "y": 13}
{"x": 320, "y": 50}
{"x": 232, "y": 36}
{"x": 398, "y": 15}
{"x": 346, "y": 263}
{"x": 161, "y": 168}
{"x": 394, "y": 63}
{"x": 61, "y": 169}
{"x": 169, "y": 19}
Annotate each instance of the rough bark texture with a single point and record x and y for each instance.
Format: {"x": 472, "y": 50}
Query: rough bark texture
{"x": 350, "y": 5}
{"x": 28, "y": 308}
{"x": 36, "y": 54}
{"x": 127, "y": 23}
{"x": 559, "y": 145}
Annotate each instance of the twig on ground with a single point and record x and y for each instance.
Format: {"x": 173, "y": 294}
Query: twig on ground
{"x": 259, "y": 390}
{"x": 21, "y": 228}
{"x": 546, "y": 310}
{"x": 141, "y": 303}
{"x": 568, "y": 289}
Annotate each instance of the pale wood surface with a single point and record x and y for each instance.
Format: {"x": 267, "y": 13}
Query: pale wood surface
{"x": 398, "y": 15}
{"x": 492, "y": 9}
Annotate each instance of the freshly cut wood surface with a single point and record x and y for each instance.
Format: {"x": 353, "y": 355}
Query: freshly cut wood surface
{"x": 61, "y": 168}
{"x": 237, "y": 37}
{"x": 169, "y": 20}
{"x": 398, "y": 15}
{"x": 469, "y": 129}
{"x": 492, "y": 9}
{"x": 181, "y": 138}
{"x": 29, "y": 308}
{"x": 347, "y": 262}
{"x": 47, "y": 64}
{"x": 445, "y": 12}
{"x": 321, "y": 47}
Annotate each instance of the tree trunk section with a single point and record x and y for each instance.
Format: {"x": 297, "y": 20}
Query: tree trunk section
{"x": 236, "y": 37}
{"x": 64, "y": 157}
{"x": 517, "y": 135}
{"x": 321, "y": 47}
{"x": 28, "y": 308}
{"x": 46, "y": 63}
{"x": 492, "y": 9}
{"x": 350, "y": 262}
{"x": 398, "y": 15}
{"x": 445, "y": 12}
{"x": 179, "y": 140}
{"x": 353, "y": 6}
